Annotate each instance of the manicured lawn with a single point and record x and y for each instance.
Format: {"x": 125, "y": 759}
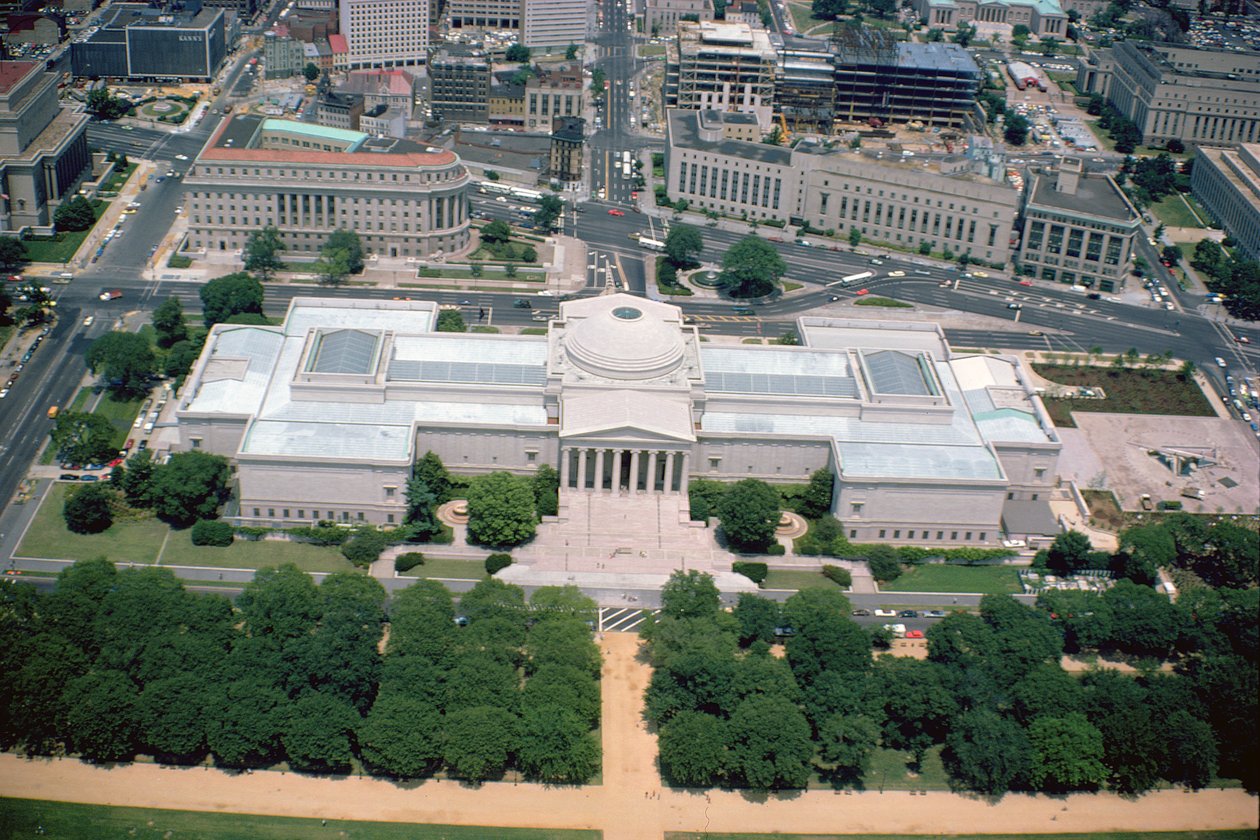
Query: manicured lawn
{"x": 1175, "y": 212}
{"x": 646, "y": 50}
{"x": 795, "y": 579}
{"x": 534, "y": 331}
{"x": 252, "y": 554}
{"x": 890, "y": 770}
{"x": 116, "y": 181}
{"x": 1128, "y": 392}
{"x": 439, "y": 567}
{"x": 61, "y": 248}
{"x": 510, "y": 251}
{"x": 22, "y": 818}
{"x": 121, "y": 414}
{"x": 803, "y": 16}
{"x": 945, "y": 577}
{"x": 48, "y": 537}
{"x": 80, "y": 399}
{"x": 887, "y": 303}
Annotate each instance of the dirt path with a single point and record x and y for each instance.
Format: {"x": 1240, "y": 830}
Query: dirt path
{"x": 623, "y": 806}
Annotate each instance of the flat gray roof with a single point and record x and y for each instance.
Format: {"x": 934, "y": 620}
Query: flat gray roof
{"x": 684, "y": 132}
{"x": 1095, "y": 196}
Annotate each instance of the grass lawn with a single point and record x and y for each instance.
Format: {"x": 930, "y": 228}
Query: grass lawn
{"x": 1128, "y": 392}
{"x": 121, "y": 414}
{"x": 1174, "y": 211}
{"x": 116, "y": 180}
{"x": 945, "y": 577}
{"x": 441, "y": 567}
{"x": 21, "y": 818}
{"x": 506, "y": 252}
{"x": 48, "y": 537}
{"x": 6, "y": 332}
{"x": 80, "y": 399}
{"x": 1115, "y": 835}
{"x": 887, "y": 303}
{"x": 890, "y": 770}
{"x": 803, "y": 16}
{"x": 252, "y": 554}
{"x": 795, "y": 579}
{"x": 534, "y": 331}
{"x": 646, "y": 50}
{"x": 60, "y": 249}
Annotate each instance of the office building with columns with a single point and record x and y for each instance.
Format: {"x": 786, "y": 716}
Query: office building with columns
{"x": 325, "y": 414}
{"x": 404, "y": 199}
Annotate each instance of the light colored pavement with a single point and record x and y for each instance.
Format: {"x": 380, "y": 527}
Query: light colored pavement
{"x": 629, "y": 805}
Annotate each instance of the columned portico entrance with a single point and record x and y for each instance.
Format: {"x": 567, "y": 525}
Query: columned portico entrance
{"x": 624, "y": 471}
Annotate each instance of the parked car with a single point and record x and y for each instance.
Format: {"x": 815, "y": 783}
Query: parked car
{"x": 914, "y": 634}
{"x": 861, "y": 611}
{"x": 909, "y": 614}
{"x": 882, "y": 613}
{"x": 935, "y": 613}
{"x": 67, "y": 477}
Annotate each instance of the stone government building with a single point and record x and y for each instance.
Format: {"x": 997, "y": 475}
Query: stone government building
{"x": 324, "y": 415}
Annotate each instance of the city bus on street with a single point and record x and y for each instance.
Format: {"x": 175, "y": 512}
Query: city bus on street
{"x": 651, "y": 244}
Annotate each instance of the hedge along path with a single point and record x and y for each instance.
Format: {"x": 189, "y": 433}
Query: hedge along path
{"x": 630, "y": 805}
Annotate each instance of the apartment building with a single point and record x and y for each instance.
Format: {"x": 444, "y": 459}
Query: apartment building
{"x": 507, "y": 99}
{"x": 1186, "y": 93}
{"x": 403, "y": 199}
{"x": 385, "y": 33}
{"x": 1044, "y": 18}
{"x": 568, "y": 142}
{"x": 43, "y": 146}
{"x": 661, "y": 17}
{"x": 948, "y": 204}
{"x": 1077, "y": 228}
{"x": 553, "y": 91}
{"x": 283, "y": 56}
{"x": 1227, "y": 183}
{"x": 715, "y": 65}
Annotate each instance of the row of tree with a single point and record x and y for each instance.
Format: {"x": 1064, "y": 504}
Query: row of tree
{"x": 114, "y": 664}
{"x": 340, "y": 256}
{"x": 992, "y": 695}
{"x": 1232, "y": 275}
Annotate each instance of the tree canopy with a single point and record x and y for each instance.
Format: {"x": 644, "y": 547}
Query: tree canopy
{"x": 751, "y": 268}
{"x": 229, "y": 295}
{"x": 262, "y": 252}
{"x": 749, "y": 512}
{"x": 83, "y": 438}
{"x": 683, "y": 245}
{"x": 190, "y": 486}
{"x": 125, "y": 361}
{"x": 501, "y": 509}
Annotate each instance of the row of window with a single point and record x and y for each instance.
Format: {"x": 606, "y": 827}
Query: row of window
{"x": 409, "y": 175}
{"x": 1053, "y": 238}
{"x": 926, "y": 535}
{"x": 765, "y": 191}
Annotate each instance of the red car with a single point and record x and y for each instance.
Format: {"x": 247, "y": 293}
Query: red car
{"x": 130, "y": 443}
{"x": 863, "y": 292}
{"x": 914, "y": 634}
{"x": 1025, "y": 282}
{"x": 616, "y": 212}
{"x": 115, "y": 462}
{"x": 634, "y": 194}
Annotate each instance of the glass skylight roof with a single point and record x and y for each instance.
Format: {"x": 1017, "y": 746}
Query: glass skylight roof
{"x": 894, "y": 372}
{"x": 344, "y": 351}
{"x": 780, "y": 383}
{"x": 489, "y": 373}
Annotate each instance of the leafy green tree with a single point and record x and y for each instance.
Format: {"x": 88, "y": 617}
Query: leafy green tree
{"x": 751, "y": 268}
{"x": 101, "y": 716}
{"x": 501, "y": 509}
{"x": 1069, "y": 553}
{"x": 317, "y": 733}
{"x": 401, "y": 736}
{"x": 137, "y": 481}
{"x": 104, "y": 105}
{"x": 75, "y": 215}
{"x": 83, "y": 438}
{"x": 1143, "y": 622}
{"x": 87, "y": 510}
{"x": 433, "y": 473}
{"x": 281, "y": 602}
{"x": 571, "y": 52}
{"x": 758, "y": 617}
{"x": 565, "y": 686}
{"x": 421, "y": 517}
{"x": 550, "y": 208}
{"x": 422, "y": 622}
{"x": 692, "y": 749}
{"x": 365, "y": 546}
{"x": 124, "y": 360}
{"x": 244, "y": 721}
{"x": 12, "y": 253}
{"x": 816, "y": 502}
{"x": 347, "y": 243}
{"x": 829, "y": 9}
{"x": 451, "y": 320}
{"x": 170, "y": 715}
{"x": 479, "y": 742}
{"x": 690, "y": 594}
{"x": 1067, "y": 754}
{"x": 191, "y": 486}
{"x": 916, "y": 704}
{"x": 311, "y": 71}
{"x": 855, "y": 237}
{"x": 749, "y": 512}
{"x": 262, "y": 252}
{"x": 964, "y": 34}
{"x": 517, "y": 54}
{"x": 230, "y": 295}
{"x": 168, "y": 322}
{"x": 845, "y": 744}
{"x": 769, "y": 745}
{"x": 556, "y": 746}
{"x": 883, "y": 562}
{"x": 497, "y": 232}
{"x": 826, "y": 638}
{"x": 332, "y": 266}
{"x": 1144, "y": 549}
{"x": 683, "y": 244}
{"x": 546, "y": 486}
{"x": 1191, "y": 750}
{"x": 562, "y": 603}
{"x": 565, "y": 642}
{"x": 1016, "y": 130}
{"x": 987, "y": 753}
{"x": 1023, "y": 638}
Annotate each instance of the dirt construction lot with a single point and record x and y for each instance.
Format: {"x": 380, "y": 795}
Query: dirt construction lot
{"x": 629, "y": 805}
{"x": 1116, "y": 446}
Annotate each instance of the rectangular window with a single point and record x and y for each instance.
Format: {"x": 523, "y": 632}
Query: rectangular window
{"x": 897, "y": 534}
{"x": 983, "y": 534}
{"x": 1114, "y": 245}
{"x": 1093, "y": 250}
{"x": 1036, "y": 233}
{"x": 940, "y": 535}
{"x": 1054, "y": 243}
{"x": 953, "y": 535}
{"x": 882, "y": 532}
{"x": 196, "y": 443}
{"x": 682, "y": 176}
{"x": 853, "y": 533}
{"x": 857, "y": 508}
{"x": 910, "y": 535}
{"x": 968, "y": 536}
{"x": 257, "y": 512}
{"x": 1075, "y": 239}
{"x": 301, "y": 513}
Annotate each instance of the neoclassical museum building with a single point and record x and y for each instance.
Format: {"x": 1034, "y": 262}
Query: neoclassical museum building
{"x": 324, "y": 415}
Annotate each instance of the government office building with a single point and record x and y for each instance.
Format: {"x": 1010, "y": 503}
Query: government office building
{"x": 324, "y": 415}
{"x": 402, "y": 198}
{"x": 959, "y": 204}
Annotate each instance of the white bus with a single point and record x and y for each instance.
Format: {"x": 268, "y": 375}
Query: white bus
{"x": 522, "y": 194}
{"x": 494, "y": 188}
{"x": 651, "y": 244}
{"x": 853, "y": 278}
{"x": 625, "y": 158}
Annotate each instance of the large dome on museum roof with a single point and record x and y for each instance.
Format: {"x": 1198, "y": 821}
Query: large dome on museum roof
{"x": 626, "y": 338}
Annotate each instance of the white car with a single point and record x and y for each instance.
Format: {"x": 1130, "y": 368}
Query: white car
{"x": 89, "y": 320}
{"x": 181, "y": 157}
{"x": 4, "y": 392}
{"x": 1221, "y": 362}
{"x": 886, "y": 613}
{"x": 896, "y": 274}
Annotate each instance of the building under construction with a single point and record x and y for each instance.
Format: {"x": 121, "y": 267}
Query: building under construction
{"x": 880, "y": 78}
